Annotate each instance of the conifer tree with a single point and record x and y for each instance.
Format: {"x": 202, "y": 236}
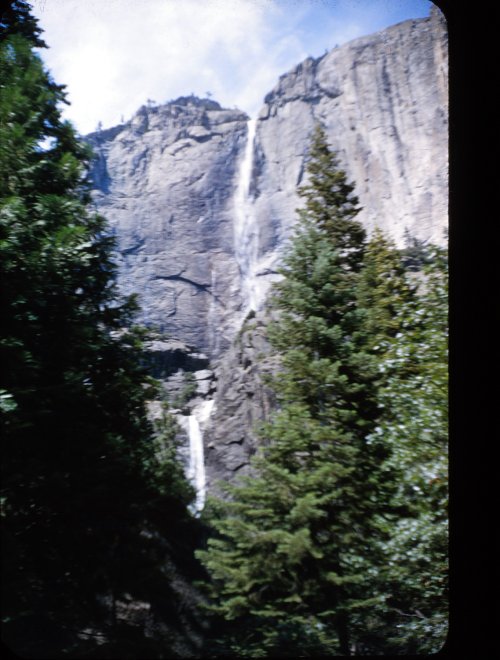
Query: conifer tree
{"x": 90, "y": 516}
{"x": 413, "y": 399}
{"x": 383, "y": 287}
{"x": 298, "y": 544}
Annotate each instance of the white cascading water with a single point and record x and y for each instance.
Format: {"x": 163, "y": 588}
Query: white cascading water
{"x": 196, "y": 467}
{"x": 195, "y": 471}
{"x": 246, "y": 230}
{"x": 246, "y": 244}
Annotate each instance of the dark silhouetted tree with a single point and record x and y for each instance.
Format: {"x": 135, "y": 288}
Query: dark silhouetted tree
{"x": 91, "y": 516}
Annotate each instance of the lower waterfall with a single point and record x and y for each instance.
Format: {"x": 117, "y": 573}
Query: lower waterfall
{"x": 195, "y": 472}
{"x": 196, "y": 467}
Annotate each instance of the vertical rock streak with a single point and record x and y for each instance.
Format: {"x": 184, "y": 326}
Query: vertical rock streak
{"x": 246, "y": 229}
{"x": 213, "y": 320}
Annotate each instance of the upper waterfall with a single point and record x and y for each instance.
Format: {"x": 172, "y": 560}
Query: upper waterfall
{"x": 246, "y": 228}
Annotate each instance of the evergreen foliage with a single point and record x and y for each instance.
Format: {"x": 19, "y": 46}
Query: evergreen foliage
{"x": 336, "y": 543}
{"x": 413, "y": 399}
{"x": 90, "y": 514}
{"x": 16, "y": 18}
{"x": 415, "y": 254}
{"x": 383, "y": 287}
{"x": 295, "y": 541}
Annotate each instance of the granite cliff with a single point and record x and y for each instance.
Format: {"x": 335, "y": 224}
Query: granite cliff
{"x": 170, "y": 181}
{"x": 202, "y": 199}
{"x": 165, "y": 181}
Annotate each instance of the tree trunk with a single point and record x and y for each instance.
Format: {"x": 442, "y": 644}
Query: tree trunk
{"x": 343, "y": 633}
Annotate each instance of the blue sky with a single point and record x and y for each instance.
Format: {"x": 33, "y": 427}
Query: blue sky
{"x": 113, "y": 55}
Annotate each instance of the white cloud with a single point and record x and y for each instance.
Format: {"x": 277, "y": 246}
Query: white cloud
{"x": 115, "y": 54}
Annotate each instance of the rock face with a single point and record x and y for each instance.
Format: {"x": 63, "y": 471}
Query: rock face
{"x": 202, "y": 200}
{"x": 165, "y": 182}
{"x": 170, "y": 180}
{"x": 242, "y": 402}
{"x": 383, "y": 102}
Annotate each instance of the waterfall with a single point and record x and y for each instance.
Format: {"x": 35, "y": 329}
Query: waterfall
{"x": 246, "y": 230}
{"x": 195, "y": 471}
{"x": 196, "y": 467}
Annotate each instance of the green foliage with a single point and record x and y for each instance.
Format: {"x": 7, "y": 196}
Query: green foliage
{"x": 168, "y": 470}
{"x": 336, "y": 543}
{"x": 187, "y": 392}
{"x": 91, "y": 513}
{"x": 293, "y": 542}
{"x": 416, "y": 253}
{"x": 414, "y": 422}
{"x": 383, "y": 287}
{"x": 330, "y": 202}
{"x": 16, "y": 18}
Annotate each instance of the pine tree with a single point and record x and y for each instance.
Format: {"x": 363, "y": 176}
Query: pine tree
{"x": 297, "y": 545}
{"x": 16, "y": 18}
{"x": 90, "y": 516}
{"x": 383, "y": 287}
{"x": 414, "y": 423}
